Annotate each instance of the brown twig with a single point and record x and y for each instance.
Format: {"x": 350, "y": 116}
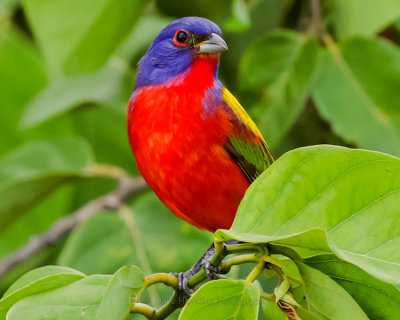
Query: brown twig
{"x": 316, "y": 21}
{"x": 111, "y": 201}
{"x": 315, "y": 10}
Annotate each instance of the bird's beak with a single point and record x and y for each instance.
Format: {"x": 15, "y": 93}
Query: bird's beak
{"x": 215, "y": 44}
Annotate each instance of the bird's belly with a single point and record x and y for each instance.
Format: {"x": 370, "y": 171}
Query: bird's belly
{"x": 183, "y": 160}
{"x": 179, "y": 152}
{"x": 200, "y": 184}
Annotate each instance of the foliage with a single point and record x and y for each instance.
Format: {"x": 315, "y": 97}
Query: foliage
{"x": 323, "y": 221}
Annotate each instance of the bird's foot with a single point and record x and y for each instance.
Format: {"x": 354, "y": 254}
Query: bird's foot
{"x": 183, "y": 281}
{"x": 212, "y": 272}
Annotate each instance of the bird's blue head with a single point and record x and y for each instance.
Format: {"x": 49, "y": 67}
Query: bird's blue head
{"x": 174, "y": 49}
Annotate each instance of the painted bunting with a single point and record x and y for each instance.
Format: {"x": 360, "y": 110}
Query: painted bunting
{"x": 193, "y": 142}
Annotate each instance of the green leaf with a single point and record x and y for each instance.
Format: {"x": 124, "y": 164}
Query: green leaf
{"x": 7, "y": 7}
{"x": 78, "y": 300}
{"x": 99, "y": 245}
{"x": 281, "y": 290}
{"x": 316, "y": 192}
{"x": 17, "y": 56}
{"x": 272, "y": 311}
{"x": 328, "y": 298}
{"x": 289, "y": 299}
{"x": 95, "y": 123}
{"x": 179, "y": 243}
{"x": 200, "y": 8}
{"x": 223, "y": 299}
{"x": 66, "y": 93}
{"x": 363, "y": 17}
{"x": 36, "y": 281}
{"x": 37, "y": 168}
{"x": 35, "y": 277}
{"x": 103, "y": 243}
{"x": 349, "y": 93}
{"x": 240, "y": 20}
{"x": 279, "y": 67}
{"x": 121, "y": 293}
{"x": 36, "y": 220}
{"x": 290, "y": 269}
{"x": 305, "y": 314}
{"x": 314, "y": 239}
{"x": 93, "y": 28}
{"x": 378, "y": 299}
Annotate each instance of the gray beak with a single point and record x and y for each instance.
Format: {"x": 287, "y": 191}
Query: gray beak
{"x": 213, "y": 45}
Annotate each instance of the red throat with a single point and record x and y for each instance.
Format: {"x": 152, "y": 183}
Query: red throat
{"x": 202, "y": 71}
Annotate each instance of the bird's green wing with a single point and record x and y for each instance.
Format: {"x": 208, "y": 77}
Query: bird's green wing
{"x": 245, "y": 143}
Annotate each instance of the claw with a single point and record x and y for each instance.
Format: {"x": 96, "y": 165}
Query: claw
{"x": 212, "y": 272}
{"x": 203, "y": 263}
{"x": 183, "y": 279}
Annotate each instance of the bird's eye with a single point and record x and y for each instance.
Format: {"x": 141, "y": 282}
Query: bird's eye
{"x": 181, "y": 37}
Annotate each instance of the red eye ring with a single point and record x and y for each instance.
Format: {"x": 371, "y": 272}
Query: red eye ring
{"x": 181, "y": 32}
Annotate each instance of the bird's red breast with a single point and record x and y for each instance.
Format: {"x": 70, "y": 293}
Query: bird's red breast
{"x": 179, "y": 148}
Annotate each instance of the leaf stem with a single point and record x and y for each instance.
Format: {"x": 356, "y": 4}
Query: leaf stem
{"x": 105, "y": 170}
{"x": 177, "y": 301}
{"x": 278, "y": 271}
{"x": 165, "y": 278}
{"x": 274, "y": 261}
{"x": 259, "y": 253}
{"x": 285, "y": 251}
{"x": 267, "y": 296}
{"x": 256, "y": 271}
{"x": 245, "y": 248}
{"x": 226, "y": 265}
{"x": 144, "y": 309}
{"x": 197, "y": 278}
{"x": 220, "y": 247}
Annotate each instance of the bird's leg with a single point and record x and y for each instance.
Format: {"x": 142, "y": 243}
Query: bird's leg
{"x": 212, "y": 272}
{"x": 203, "y": 263}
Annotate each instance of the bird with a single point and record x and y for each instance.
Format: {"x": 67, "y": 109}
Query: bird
{"x": 194, "y": 144}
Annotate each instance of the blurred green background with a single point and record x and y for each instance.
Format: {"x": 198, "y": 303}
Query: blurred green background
{"x": 67, "y": 70}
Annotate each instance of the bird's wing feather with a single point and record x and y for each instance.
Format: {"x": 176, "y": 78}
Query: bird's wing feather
{"x": 245, "y": 143}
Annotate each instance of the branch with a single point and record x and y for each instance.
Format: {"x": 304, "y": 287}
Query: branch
{"x": 316, "y": 21}
{"x": 315, "y": 11}
{"x": 111, "y": 201}
{"x": 179, "y": 298}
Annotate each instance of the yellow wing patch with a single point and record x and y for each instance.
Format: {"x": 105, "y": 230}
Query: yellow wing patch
{"x": 246, "y": 144}
{"x": 239, "y": 111}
